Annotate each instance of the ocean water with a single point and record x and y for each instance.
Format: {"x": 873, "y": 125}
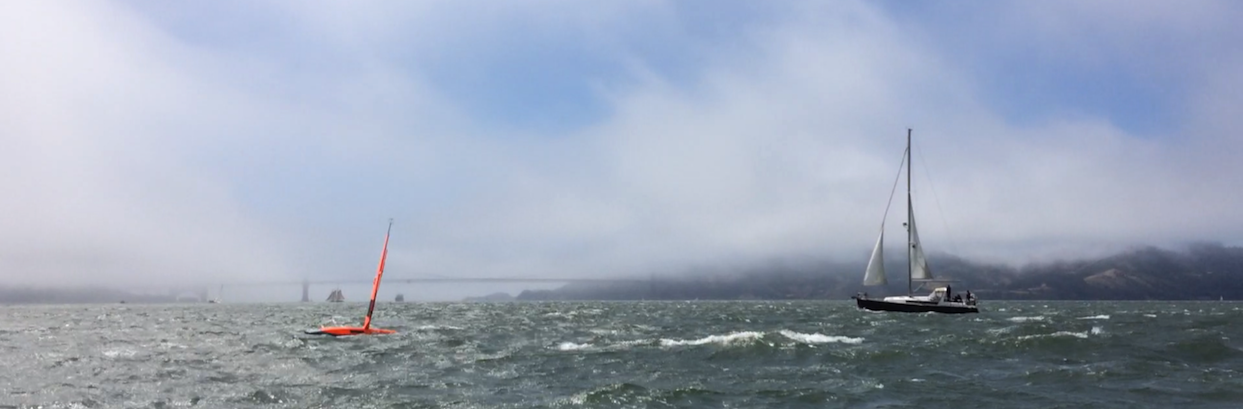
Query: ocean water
{"x": 755, "y": 354}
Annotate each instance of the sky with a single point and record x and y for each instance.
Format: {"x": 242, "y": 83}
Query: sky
{"x": 154, "y": 143}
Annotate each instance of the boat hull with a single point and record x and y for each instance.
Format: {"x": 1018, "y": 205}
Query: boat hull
{"x": 347, "y": 331}
{"x": 882, "y": 305}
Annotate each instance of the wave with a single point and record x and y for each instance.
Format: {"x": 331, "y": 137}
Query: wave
{"x": 999, "y": 331}
{"x": 1096, "y": 317}
{"x": 1080, "y": 335}
{"x": 749, "y": 337}
{"x": 736, "y": 338}
{"x": 438, "y": 327}
{"x": 818, "y": 338}
{"x": 1026, "y": 319}
{"x": 732, "y": 339}
{"x": 570, "y": 346}
{"x": 120, "y": 353}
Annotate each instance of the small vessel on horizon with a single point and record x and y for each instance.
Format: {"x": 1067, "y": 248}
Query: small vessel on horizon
{"x": 335, "y": 296}
{"x": 219, "y": 296}
{"x": 941, "y": 299}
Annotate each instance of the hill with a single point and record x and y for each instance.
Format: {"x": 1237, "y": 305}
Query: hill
{"x": 83, "y": 295}
{"x": 1201, "y": 272}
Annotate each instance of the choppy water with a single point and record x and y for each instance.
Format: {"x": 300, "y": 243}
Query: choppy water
{"x": 625, "y": 354}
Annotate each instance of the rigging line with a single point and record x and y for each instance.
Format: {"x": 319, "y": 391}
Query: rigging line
{"x": 896, "y": 179}
{"x": 949, "y": 236}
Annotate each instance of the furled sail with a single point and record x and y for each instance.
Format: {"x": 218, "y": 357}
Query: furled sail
{"x": 919, "y": 263}
{"x": 875, "y": 274}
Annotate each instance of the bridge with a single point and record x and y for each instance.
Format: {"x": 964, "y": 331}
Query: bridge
{"x": 306, "y": 283}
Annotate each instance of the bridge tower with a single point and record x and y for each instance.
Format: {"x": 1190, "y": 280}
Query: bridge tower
{"x": 306, "y": 290}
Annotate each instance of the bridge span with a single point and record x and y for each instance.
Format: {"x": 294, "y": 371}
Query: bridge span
{"x": 306, "y": 283}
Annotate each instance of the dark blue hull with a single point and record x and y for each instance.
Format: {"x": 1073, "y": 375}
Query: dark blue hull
{"x": 882, "y": 305}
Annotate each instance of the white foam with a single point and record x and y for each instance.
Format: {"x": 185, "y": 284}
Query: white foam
{"x": 1026, "y": 319}
{"x": 629, "y": 344}
{"x": 437, "y": 327}
{"x": 599, "y": 331}
{"x": 730, "y": 339}
{"x": 1151, "y": 315}
{"x": 570, "y": 346}
{"x": 999, "y": 331}
{"x": 1095, "y": 317}
{"x": 1057, "y": 334}
{"x": 818, "y": 338}
{"x": 1080, "y": 335}
{"x": 120, "y": 353}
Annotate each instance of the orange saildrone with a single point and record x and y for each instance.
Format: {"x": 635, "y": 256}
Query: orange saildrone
{"x": 375, "y": 287}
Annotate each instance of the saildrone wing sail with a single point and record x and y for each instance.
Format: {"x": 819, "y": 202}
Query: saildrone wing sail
{"x": 919, "y": 263}
{"x": 375, "y": 286}
{"x": 875, "y": 274}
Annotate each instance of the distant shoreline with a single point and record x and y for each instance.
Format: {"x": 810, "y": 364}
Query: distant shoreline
{"x": 1202, "y": 272}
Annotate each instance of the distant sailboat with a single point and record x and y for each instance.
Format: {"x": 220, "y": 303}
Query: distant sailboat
{"x": 917, "y": 269}
{"x": 219, "y": 296}
{"x": 375, "y": 287}
{"x": 336, "y": 296}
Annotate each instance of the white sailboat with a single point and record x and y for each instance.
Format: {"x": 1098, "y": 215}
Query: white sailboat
{"x": 940, "y": 300}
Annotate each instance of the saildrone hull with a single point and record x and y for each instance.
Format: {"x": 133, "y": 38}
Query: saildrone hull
{"x": 347, "y": 331}
{"x": 903, "y": 306}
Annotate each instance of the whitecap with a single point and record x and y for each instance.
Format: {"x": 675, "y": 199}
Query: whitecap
{"x": 1095, "y": 317}
{"x": 730, "y": 339}
{"x": 630, "y": 344}
{"x": 1151, "y": 315}
{"x": 600, "y": 331}
{"x": 570, "y": 346}
{"x": 818, "y": 338}
{"x": 438, "y": 327}
{"x": 1026, "y": 319}
{"x": 999, "y": 331}
{"x": 120, "y": 353}
{"x": 1081, "y": 335}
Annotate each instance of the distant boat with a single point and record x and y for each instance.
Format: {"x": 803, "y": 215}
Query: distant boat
{"x": 941, "y": 299}
{"x": 400, "y": 298}
{"x": 336, "y": 296}
{"x": 375, "y": 287}
{"x": 219, "y": 296}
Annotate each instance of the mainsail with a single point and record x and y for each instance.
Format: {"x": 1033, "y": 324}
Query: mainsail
{"x": 919, "y": 263}
{"x": 919, "y": 271}
{"x": 875, "y": 274}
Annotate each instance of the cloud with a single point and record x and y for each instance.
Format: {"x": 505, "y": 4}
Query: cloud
{"x": 95, "y": 112}
{"x": 554, "y": 139}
